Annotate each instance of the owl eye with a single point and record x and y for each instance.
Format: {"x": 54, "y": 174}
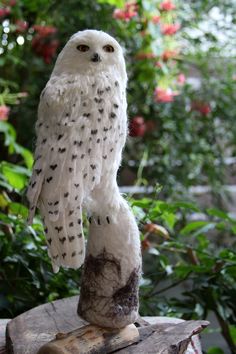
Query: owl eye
{"x": 83, "y": 47}
{"x": 108, "y": 48}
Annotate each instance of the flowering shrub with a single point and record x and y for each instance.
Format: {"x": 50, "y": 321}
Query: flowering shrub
{"x": 129, "y": 11}
{"x": 182, "y": 126}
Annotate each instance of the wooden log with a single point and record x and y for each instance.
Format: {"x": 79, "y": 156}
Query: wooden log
{"x": 27, "y": 333}
{"x": 91, "y": 339}
{"x": 3, "y": 324}
{"x": 165, "y": 338}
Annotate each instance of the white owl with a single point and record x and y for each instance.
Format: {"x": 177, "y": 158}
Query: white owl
{"x": 81, "y": 130}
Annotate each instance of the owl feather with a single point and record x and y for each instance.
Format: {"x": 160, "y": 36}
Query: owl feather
{"x": 81, "y": 130}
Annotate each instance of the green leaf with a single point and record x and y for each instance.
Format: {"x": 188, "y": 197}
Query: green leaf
{"x": 170, "y": 219}
{"x": 232, "y": 330}
{"x": 3, "y": 201}
{"x": 142, "y": 203}
{"x": 215, "y": 350}
{"x": 26, "y": 154}
{"x": 187, "y": 205}
{"x": 201, "y": 226}
{"x": 9, "y": 132}
{"x": 216, "y": 212}
{"x": 117, "y": 3}
{"x": 233, "y": 229}
{"x": 18, "y": 209}
{"x": 15, "y": 175}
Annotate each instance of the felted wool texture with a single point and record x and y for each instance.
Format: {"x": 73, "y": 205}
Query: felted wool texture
{"x": 112, "y": 270}
{"x": 81, "y": 130}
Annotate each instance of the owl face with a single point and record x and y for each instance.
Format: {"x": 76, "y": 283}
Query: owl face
{"x": 89, "y": 52}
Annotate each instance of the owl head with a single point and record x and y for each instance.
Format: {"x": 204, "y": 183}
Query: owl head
{"x": 90, "y": 52}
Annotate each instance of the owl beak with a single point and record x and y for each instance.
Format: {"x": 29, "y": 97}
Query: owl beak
{"x": 96, "y": 58}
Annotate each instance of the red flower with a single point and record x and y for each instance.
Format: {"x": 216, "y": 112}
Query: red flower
{"x": 169, "y": 54}
{"x": 169, "y": 29}
{"x": 45, "y": 48}
{"x": 155, "y": 19}
{"x": 202, "y": 107}
{"x": 164, "y": 95}
{"x": 4, "y": 112}
{"x": 167, "y": 5}
{"x": 5, "y": 11}
{"x": 44, "y": 31}
{"x": 181, "y": 79}
{"x": 129, "y": 11}
{"x": 21, "y": 26}
{"x": 137, "y": 127}
{"x": 43, "y": 42}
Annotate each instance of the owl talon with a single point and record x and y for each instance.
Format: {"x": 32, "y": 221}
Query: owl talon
{"x": 108, "y": 219}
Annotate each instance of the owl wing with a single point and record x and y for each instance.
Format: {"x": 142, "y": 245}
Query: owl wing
{"x": 107, "y": 140}
{"x": 53, "y": 186}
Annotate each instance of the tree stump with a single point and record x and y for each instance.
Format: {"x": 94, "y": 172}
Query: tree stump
{"x": 58, "y": 323}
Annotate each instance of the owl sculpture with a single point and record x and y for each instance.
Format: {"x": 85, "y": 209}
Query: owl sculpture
{"x": 81, "y": 130}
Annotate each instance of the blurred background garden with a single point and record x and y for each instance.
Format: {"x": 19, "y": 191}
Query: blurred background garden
{"x": 179, "y": 165}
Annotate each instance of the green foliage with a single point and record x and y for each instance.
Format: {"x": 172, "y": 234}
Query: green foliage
{"x": 188, "y": 257}
{"x": 184, "y": 247}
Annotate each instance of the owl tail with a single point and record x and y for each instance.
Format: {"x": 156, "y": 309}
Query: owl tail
{"x": 64, "y": 236}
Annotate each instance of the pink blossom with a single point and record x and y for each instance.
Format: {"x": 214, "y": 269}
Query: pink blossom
{"x": 167, "y": 5}
{"x": 137, "y": 126}
{"x": 169, "y": 29}
{"x": 5, "y": 11}
{"x": 164, "y": 95}
{"x": 44, "y": 31}
{"x": 128, "y": 12}
{"x": 21, "y": 26}
{"x": 4, "y": 112}
{"x": 155, "y": 19}
{"x": 45, "y": 48}
{"x": 181, "y": 79}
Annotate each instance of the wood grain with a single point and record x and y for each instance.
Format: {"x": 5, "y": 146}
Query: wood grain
{"x": 91, "y": 339}
{"x": 27, "y": 333}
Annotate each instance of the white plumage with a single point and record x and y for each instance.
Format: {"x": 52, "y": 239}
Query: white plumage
{"x": 81, "y": 130}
